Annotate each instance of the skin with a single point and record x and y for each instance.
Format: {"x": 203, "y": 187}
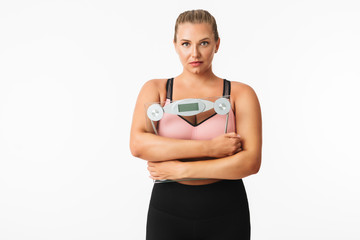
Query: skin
{"x": 234, "y": 156}
{"x": 195, "y": 42}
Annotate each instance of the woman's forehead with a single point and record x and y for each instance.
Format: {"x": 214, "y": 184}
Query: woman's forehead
{"x": 190, "y": 31}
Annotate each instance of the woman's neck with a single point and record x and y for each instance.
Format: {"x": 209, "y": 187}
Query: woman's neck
{"x": 191, "y": 79}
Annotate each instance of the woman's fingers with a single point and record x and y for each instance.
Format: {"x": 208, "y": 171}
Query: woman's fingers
{"x": 152, "y": 171}
{"x": 154, "y": 174}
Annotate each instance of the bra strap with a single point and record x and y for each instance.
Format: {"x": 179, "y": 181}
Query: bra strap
{"x": 169, "y": 88}
{"x": 227, "y": 88}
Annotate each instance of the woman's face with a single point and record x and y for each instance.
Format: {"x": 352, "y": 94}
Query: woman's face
{"x": 196, "y": 43}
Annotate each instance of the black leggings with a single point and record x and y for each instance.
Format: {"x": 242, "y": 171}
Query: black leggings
{"x": 212, "y": 211}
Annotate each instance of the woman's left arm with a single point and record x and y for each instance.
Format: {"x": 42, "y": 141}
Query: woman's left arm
{"x": 249, "y": 127}
{"x": 237, "y": 166}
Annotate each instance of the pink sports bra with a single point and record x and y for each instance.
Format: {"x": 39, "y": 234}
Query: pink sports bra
{"x": 176, "y": 126}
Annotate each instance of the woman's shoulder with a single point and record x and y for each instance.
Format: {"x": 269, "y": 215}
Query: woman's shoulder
{"x": 157, "y": 84}
{"x": 241, "y": 88}
{"x": 243, "y": 93}
{"x": 239, "y": 85}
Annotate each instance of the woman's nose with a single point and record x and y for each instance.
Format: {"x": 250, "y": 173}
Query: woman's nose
{"x": 195, "y": 52}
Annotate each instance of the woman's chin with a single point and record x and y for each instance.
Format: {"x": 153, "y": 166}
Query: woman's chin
{"x": 196, "y": 71}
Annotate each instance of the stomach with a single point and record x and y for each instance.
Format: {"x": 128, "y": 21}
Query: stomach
{"x": 197, "y": 182}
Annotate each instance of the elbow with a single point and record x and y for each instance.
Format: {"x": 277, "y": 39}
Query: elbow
{"x": 138, "y": 148}
{"x": 134, "y": 151}
{"x": 255, "y": 165}
{"x": 135, "y": 147}
{"x": 255, "y": 169}
{"x": 249, "y": 164}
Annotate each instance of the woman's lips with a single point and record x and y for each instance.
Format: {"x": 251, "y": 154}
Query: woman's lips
{"x": 195, "y": 64}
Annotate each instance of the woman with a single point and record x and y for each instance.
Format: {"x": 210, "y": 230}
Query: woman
{"x": 215, "y": 206}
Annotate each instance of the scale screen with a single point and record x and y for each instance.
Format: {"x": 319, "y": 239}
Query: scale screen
{"x": 188, "y": 107}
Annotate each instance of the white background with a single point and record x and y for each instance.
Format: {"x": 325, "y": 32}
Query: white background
{"x": 70, "y": 73}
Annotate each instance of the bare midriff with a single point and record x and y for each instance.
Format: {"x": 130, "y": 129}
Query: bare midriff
{"x": 198, "y": 182}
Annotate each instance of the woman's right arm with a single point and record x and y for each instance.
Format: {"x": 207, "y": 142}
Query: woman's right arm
{"x": 146, "y": 145}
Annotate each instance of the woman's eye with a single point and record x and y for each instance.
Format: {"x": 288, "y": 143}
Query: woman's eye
{"x": 185, "y": 43}
{"x": 206, "y": 43}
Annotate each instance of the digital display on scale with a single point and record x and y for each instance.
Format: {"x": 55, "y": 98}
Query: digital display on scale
{"x": 188, "y": 107}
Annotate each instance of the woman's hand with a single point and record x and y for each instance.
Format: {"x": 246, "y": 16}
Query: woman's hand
{"x": 225, "y": 145}
{"x": 172, "y": 169}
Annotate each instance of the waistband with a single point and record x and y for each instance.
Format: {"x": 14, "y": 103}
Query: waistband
{"x": 200, "y": 201}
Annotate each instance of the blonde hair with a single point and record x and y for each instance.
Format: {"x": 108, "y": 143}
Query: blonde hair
{"x": 197, "y": 16}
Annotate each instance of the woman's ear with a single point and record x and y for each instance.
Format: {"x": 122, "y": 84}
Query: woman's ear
{"x": 217, "y": 45}
{"x": 175, "y": 46}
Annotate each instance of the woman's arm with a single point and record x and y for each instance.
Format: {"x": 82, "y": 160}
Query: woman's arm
{"x": 249, "y": 126}
{"x": 239, "y": 165}
{"x": 149, "y": 146}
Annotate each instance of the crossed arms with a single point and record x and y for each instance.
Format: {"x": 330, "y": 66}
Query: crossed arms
{"x": 226, "y": 159}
